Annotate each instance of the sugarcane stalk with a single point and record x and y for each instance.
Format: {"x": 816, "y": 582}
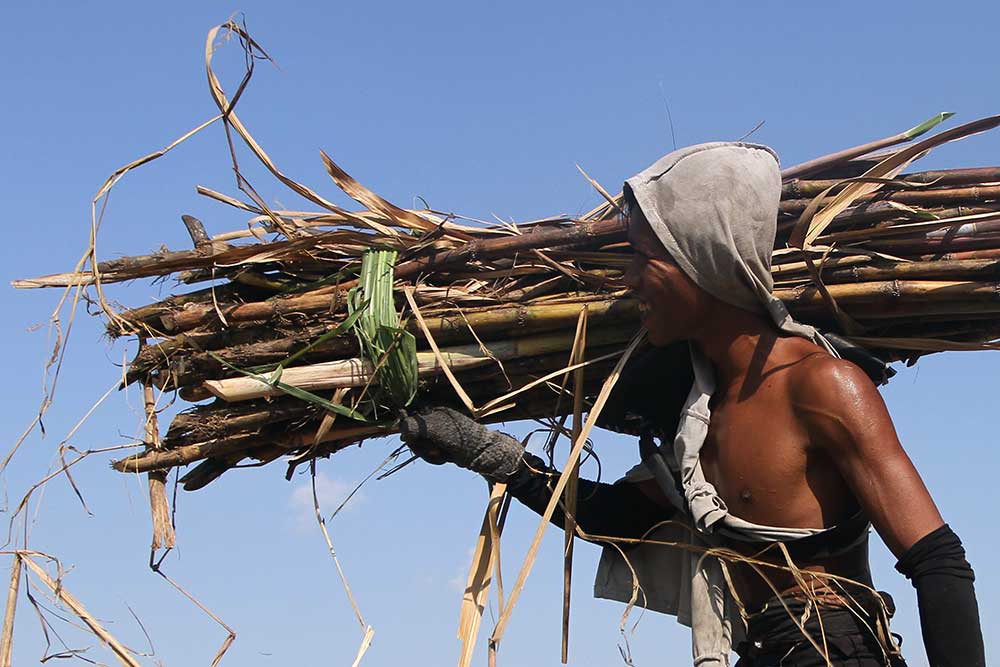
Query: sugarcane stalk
{"x": 483, "y": 382}
{"x": 953, "y": 269}
{"x": 929, "y": 245}
{"x": 172, "y": 261}
{"x": 358, "y": 372}
{"x": 827, "y": 161}
{"x": 259, "y": 310}
{"x": 178, "y": 456}
{"x": 574, "y": 235}
{"x": 925, "y": 291}
{"x": 205, "y": 422}
{"x": 187, "y": 369}
{"x": 875, "y": 212}
{"x": 936, "y": 196}
{"x": 222, "y": 418}
{"x": 986, "y": 253}
{"x": 810, "y": 188}
{"x": 532, "y": 405}
{"x": 163, "y": 529}
{"x": 212, "y": 469}
{"x": 488, "y": 323}
{"x": 793, "y": 265}
{"x": 143, "y": 266}
{"x": 887, "y": 309}
{"x": 159, "y": 355}
{"x": 149, "y": 314}
{"x": 980, "y": 225}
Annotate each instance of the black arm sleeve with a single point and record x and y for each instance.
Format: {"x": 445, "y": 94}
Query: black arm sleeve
{"x": 612, "y": 510}
{"x": 946, "y": 597}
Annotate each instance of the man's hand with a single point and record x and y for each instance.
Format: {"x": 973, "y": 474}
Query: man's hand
{"x": 440, "y": 435}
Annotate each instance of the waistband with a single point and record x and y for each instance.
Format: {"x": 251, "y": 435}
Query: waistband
{"x": 855, "y": 626}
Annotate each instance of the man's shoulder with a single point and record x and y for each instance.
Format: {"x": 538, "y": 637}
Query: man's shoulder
{"x": 825, "y": 390}
{"x": 819, "y": 374}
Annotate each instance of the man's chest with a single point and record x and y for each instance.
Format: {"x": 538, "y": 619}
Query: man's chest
{"x": 756, "y": 453}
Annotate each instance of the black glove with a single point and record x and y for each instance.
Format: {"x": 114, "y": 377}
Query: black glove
{"x": 946, "y": 599}
{"x": 440, "y": 435}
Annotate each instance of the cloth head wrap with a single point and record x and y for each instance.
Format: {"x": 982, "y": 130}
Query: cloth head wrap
{"x": 714, "y": 207}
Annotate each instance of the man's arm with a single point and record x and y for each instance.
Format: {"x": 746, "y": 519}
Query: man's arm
{"x": 846, "y": 418}
{"x": 440, "y": 435}
{"x": 609, "y": 510}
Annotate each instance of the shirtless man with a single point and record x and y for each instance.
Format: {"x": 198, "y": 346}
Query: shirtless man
{"x": 797, "y": 438}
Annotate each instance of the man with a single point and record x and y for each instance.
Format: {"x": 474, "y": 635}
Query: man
{"x": 781, "y": 453}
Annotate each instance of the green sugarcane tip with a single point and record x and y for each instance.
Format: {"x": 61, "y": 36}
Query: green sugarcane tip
{"x": 928, "y": 124}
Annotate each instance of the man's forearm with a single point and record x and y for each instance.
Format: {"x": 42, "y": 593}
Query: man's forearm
{"x": 611, "y": 510}
{"x": 946, "y": 597}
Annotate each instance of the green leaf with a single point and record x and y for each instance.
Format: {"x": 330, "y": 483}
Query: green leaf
{"x": 310, "y": 397}
{"x": 400, "y": 368}
{"x": 390, "y": 349}
{"x": 928, "y": 124}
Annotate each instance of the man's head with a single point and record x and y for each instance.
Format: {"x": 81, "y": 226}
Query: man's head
{"x": 702, "y": 223}
{"x": 670, "y": 303}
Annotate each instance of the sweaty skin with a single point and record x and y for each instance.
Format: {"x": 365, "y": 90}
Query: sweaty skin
{"x": 797, "y": 438}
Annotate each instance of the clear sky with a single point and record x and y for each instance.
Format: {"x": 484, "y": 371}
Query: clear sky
{"x": 480, "y": 108}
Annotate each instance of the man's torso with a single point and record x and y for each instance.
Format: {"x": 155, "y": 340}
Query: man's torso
{"x": 760, "y": 457}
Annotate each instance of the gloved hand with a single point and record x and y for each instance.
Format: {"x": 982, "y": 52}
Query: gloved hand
{"x": 440, "y": 435}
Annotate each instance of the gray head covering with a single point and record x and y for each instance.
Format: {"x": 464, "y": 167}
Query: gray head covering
{"x": 714, "y": 207}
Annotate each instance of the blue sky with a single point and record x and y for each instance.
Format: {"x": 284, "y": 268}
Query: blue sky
{"x": 480, "y": 108}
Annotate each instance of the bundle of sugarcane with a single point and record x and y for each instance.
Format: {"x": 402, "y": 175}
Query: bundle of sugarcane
{"x": 312, "y": 335}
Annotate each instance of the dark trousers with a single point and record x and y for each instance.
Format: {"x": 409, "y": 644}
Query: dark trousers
{"x": 775, "y": 640}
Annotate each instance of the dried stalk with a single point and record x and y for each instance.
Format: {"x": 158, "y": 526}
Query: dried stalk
{"x": 320, "y": 299}
{"x": 933, "y": 197}
{"x": 7, "y": 634}
{"x": 163, "y": 529}
{"x": 803, "y": 188}
{"x": 827, "y": 161}
{"x": 569, "y": 499}
{"x": 59, "y": 591}
{"x": 477, "y": 585}
{"x": 574, "y": 457}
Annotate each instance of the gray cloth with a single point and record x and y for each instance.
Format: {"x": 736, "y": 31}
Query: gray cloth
{"x": 714, "y": 207}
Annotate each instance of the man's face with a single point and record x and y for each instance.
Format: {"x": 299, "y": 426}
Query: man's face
{"x": 670, "y": 303}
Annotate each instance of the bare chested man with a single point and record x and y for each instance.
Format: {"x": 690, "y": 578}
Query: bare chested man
{"x": 797, "y": 438}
